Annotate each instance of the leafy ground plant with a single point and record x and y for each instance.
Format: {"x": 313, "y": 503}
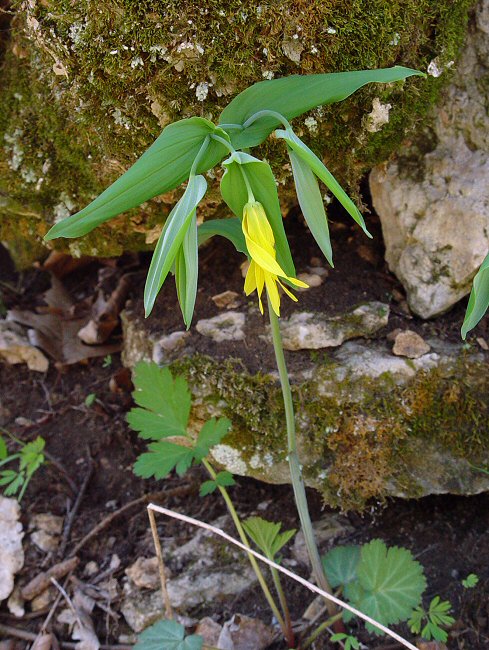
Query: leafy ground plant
{"x": 29, "y": 459}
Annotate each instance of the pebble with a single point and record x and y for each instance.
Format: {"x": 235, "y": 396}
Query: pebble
{"x": 144, "y": 573}
{"x": 311, "y": 279}
{"x": 409, "y": 344}
{"x": 225, "y": 327}
{"x": 226, "y": 300}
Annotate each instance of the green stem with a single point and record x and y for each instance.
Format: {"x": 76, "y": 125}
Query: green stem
{"x": 294, "y": 465}
{"x": 283, "y": 602}
{"x": 251, "y": 196}
{"x": 244, "y": 539}
{"x": 199, "y": 156}
{"x": 320, "y": 629}
{"x": 267, "y": 113}
{"x": 224, "y": 142}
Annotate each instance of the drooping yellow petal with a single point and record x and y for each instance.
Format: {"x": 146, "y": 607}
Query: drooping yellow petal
{"x": 255, "y": 220}
{"x": 273, "y": 294}
{"x": 250, "y": 279}
{"x": 289, "y": 293}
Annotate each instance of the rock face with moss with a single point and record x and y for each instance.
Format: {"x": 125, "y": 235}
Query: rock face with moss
{"x": 85, "y": 87}
{"x": 433, "y": 200}
{"x": 370, "y": 424}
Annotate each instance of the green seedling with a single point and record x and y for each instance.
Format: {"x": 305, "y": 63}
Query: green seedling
{"x": 90, "y": 399}
{"x": 429, "y": 624}
{"x": 470, "y": 581}
{"x": 29, "y": 458}
{"x": 107, "y": 362}
{"x": 169, "y": 635}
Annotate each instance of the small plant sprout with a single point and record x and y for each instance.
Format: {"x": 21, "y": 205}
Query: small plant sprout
{"x": 429, "y": 624}
{"x": 90, "y": 399}
{"x": 107, "y": 362}
{"x": 29, "y": 459}
{"x": 470, "y": 581}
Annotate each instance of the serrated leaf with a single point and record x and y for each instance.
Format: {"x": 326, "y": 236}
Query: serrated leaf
{"x": 323, "y": 173}
{"x": 293, "y": 95}
{"x": 229, "y": 228}
{"x": 391, "y": 583}
{"x": 340, "y": 565}
{"x": 470, "y": 581}
{"x": 171, "y": 239}
{"x": 267, "y": 535}
{"x": 212, "y": 432}
{"x": 14, "y": 486}
{"x": 162, "y": 458}
{"x": 7, "y": 476}
{"x": 479, "y": 299}
{"x": 167, "y": 635}
{"x": 311, "y": 204}
{"x": 164, "y": 166}
{"x": 3, "y": 449}
{"x": 262, "y": 182}
{"x": 187, "y": 271}
{"x": 31, "y": 456}
{"x": 165, "y": 403}
{"x": 225, "y": 479}
{"x": 207, "y": 487}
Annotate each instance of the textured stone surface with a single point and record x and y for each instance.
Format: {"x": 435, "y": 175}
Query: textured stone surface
{"x": 85, "y": 92}
{"x": 15, "y": 347}
{"x": 370, "y": 423}
{"x": 409, "y": 344}
{"x": 11, "y": 551}
{"x": 434, "y": 206}
{"x": 309, "y": 331}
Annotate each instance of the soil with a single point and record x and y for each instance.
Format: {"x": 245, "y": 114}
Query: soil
{"x": 449, "y": 535}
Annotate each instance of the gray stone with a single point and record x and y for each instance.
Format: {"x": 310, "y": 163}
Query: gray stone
{"x": 313, "y": 331}
{"x": 11, "y": 551}
{"x": 328, "y": 528}
{"x": 434, "y": 207}
{"x": 224, "y": 327}
{"x": 15, "y": 347}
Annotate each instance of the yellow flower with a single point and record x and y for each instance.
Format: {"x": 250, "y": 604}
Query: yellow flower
{"x": 264, "y": 270}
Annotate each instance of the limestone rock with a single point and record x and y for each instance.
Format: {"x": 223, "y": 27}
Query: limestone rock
{"x": 46, "y": 529}
{"x": 224, "y": 327}
{"x": 11, "y": 551}
{"x": 409, "y": 344}
{"x": 434, "y": 207}
{"x": 243, "y": 633}
{"x": 144, "y": 573}
{"x": 16, "y": 348}
{"x": 308, "y": 331}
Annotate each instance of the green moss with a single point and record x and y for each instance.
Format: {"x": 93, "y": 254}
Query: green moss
{"x": 125, "y": 69}
{"x": 355, "y": 442}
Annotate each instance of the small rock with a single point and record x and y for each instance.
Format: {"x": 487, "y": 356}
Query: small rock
{"x": 226, "y": 300}
{"x": 11, "y": 551}
{"x": 311, "y": 279}
{"x": 91, "y": 568}
{"x": 144, "y": 573}
{"x": 224, "y": 327}
{"x": 409, "y": 344}
{"x": 482, "y": 342}
{"x": 328, "y": 528}
{"x": 315, "y": 261}
{"x": 16, "y": 348}
{"x": 318, "y": 270}
{"x": 169, "y": 343}
{"x": 44, "y": 599}
{"x": 15, "y": 603}
{"x": 242, "y": 633}
{"x": 47, "y": 529}
{"x": 312, "y": 331}
{"x": 431, "y": 645}
{"x": 209, "y": 630}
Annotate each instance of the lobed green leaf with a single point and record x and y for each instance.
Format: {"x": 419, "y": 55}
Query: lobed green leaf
{"x": 340, "y": 565}
{"x": 267, "y": 535}
{"x": 293, "y": 95}
{"x": 165, "y": 403}
{"x": 162, "y": 458}
{"x": 167, "y": 635}
{"x": 211, "y": 434}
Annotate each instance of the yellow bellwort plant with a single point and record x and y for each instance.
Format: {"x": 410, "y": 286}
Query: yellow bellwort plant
{"x": 264, "y": 270}
{"x": 189, "y": 148}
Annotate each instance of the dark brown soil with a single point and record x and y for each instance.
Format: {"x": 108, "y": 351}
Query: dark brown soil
{"x": 449, "y": 535}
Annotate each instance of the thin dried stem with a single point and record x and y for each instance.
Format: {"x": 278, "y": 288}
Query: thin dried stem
{"x": 161, "y": 565}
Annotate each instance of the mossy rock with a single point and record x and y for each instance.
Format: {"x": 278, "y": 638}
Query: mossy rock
{"x": 370, "y": 424}
{"x": 85, "y": 87}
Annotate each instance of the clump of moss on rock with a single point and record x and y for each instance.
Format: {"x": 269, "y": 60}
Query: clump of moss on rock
{"x": 86, "y": 87}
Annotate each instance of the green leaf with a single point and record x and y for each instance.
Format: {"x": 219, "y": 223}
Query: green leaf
{"x": 167, "y": 635}
{"x": 207, "y": 487}
{"x": 229, "y": 228}
{"x": 262, "y": 182}
{"x": 31, "y": 456}
{"x": 90, "y": 399}
{"x": 14, "y": 485}
{"x": 293, "y": 95}
{"x": 416, "y": 620}
{"x": 311, "y": 203}
{"x": 171, "y": 239}
{"x": 479, "y": 299}
{"x": 164, "y": 166}
{"x": 267, "y": 535}
{"x": 7, "y": 476}
{"x": 321, "y": 171}
{"x": 165, "y": 403}
{"x": 389, "y": 583}
{"x": 3, "y": 449}
{"x": 212, "y": 432}
{"x": 162, "y": 458}
{"x": 470, "y": 581}
{"x": 187, "y": 271}
{"x": 340, "y": 564}
{"x": 349, "y": 641}
{"x": 225, "y": 479}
